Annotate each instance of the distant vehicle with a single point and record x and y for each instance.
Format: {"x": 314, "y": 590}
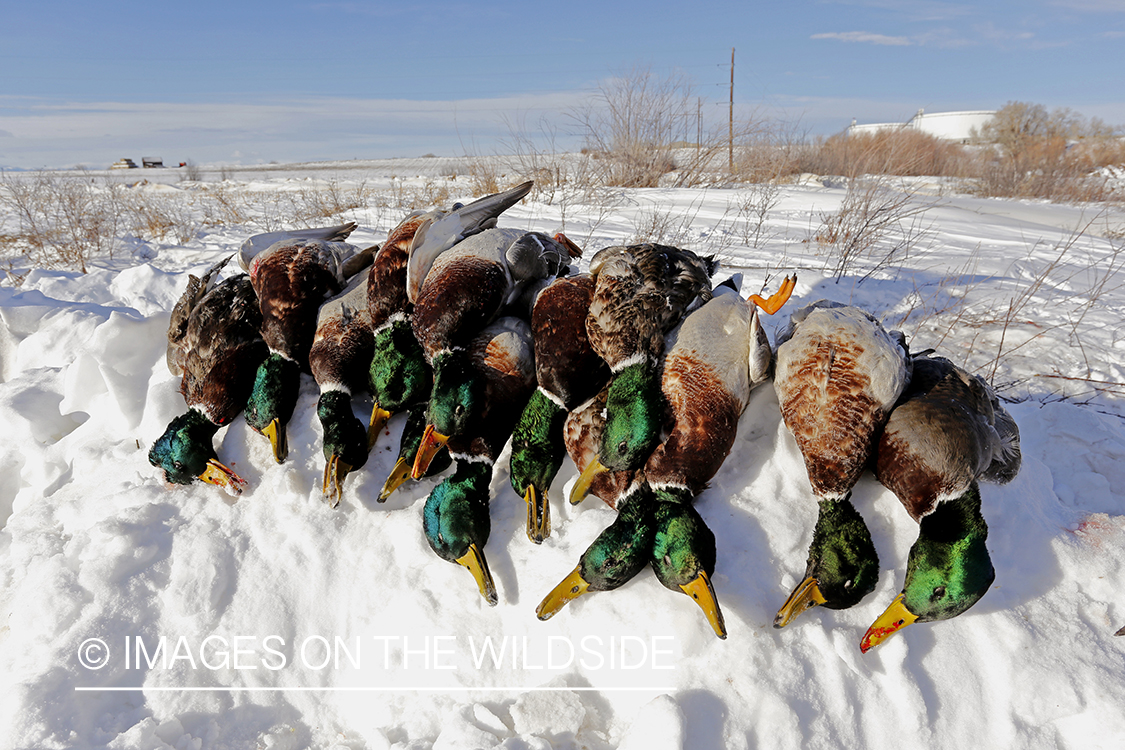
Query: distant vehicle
{"x": 123, "y": 164}
{"x": 150, "y": 162}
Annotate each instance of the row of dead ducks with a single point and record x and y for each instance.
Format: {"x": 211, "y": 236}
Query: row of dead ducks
{"x": 639, "y": 370}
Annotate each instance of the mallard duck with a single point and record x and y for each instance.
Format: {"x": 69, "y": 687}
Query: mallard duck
{"x": 467, "y": 287}
{"x": 947, "y": 431}
{"x": 838, "y": 375}
{"x": 456, "y": 519}
{"x": 339, "y": 359}
{"x": 715, "y": 358}
{"x": 641, "y": 293}
{"x": 292, "y": 279}
{"x": 400, "y": 375}
{"x": 214, "y": 343}
{"x": 569, "y": 373}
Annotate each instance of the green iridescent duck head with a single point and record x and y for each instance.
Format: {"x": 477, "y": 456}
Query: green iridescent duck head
{"x": 399, "y": 374}
{"x": 634, "y": 416}
{"x": 683, "y": 553}
{"x": 457, "y": 524}
{"x": 843, "y": 566}
{"x": 271, "y": 402}
{"x": 345, "y": 441}
{"x": 537, "y": 454}
{"x": 948, "y": 571}
{"x": 456, "y": 394}
{"x": 184, "y": 452}
{"x": 613, "y": 559}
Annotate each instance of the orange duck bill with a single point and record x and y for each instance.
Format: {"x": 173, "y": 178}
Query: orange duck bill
{"x": 432, "y": 442}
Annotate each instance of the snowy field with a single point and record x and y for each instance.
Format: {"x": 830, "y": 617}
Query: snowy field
{"x": 289, "y": 624}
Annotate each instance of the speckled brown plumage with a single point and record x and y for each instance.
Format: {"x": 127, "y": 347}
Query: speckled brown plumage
{"x": 706, "y": 420}
{"x": 838, "y": 376}
{"x": 344, "y": 342}
{"x": 947, "y": 430}
{"x": 716, "y": 356}
{"x": 386, "y": 279}
{"x": 218, "y": 346}
{"x": 566, "y": 366}
{"x": 292, "y": 280}
{"x": 642, "y": 292}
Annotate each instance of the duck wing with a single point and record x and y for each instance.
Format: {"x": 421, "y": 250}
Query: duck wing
{"x": 442, "y": 230}
{"x": 259, "y": 243}
{"x": 947, "y": 431}
{"x": 181, "y": 315}
{"x": 224, "y": 350}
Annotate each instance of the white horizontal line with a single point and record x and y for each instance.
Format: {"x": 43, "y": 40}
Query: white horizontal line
{"x": 513, "y": 688}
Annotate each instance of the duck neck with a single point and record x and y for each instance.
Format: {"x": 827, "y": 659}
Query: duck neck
{"x": 274, "y": 395}
{"x": 537, "y": 444}
{"x": 344, "y": 435}
{"x": 399, "y": 374}
{"x": 623, "y": 548}
{"x": 634, "y": 413}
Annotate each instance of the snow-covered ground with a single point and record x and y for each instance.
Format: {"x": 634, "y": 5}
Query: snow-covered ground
{"x": 289, "y": 624}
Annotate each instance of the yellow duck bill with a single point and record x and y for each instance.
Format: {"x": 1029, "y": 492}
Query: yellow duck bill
{"x": 478, "y": 566}
{"x": 275, "y": 431}
{"x": 538, "y": 515}
{"x": 585, "y": 480}
{"x": 569, "y": 589}
{"x": 806, "y": 596}
{"x": 399, "y": 474}
{"x": 218, "y": 474}
{"x": 890, "y": 622}
{"x": 703, "y": 593}
{"x": 379, "y": 419}
{"x": 334, "y": 472}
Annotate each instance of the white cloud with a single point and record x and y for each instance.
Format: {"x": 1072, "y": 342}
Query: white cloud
{"x": 865, "y": 37}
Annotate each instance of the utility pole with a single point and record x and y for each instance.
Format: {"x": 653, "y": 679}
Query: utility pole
{"x": 698, "y": 125}
{"x": 730, "y": 126}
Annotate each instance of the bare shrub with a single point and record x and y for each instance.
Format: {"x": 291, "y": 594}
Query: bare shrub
{"x": 191, "y": 172}
{"x": 769, "y": 151}
{"x": 1035, "y": 153}
{"x": 877, "y": 222}
{"x": 753, "y": 208}
{"x": 485, "y": 176}
{"x": 63, "y": 221}
{"x": 632, "y": 124}
{"x": 903, "y": 152}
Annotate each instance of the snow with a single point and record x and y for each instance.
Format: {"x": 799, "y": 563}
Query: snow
{"x": 289, "y": 624}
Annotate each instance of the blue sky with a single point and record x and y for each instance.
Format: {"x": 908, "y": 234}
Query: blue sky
{"x": 248, "y": 82}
